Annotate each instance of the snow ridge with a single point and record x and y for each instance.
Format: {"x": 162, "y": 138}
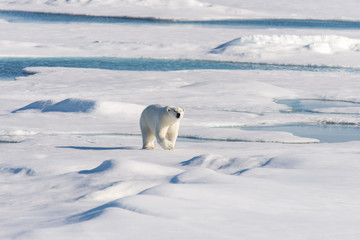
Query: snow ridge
{"x": 323, "y": 44}
{"x": 67, "y": 105}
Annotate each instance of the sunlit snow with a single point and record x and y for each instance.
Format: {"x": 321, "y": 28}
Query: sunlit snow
{"x": 71, "y": 163}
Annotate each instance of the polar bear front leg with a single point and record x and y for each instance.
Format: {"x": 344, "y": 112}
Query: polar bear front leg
{"x": 172, "y": 133}
{"x": 161, "y": 139}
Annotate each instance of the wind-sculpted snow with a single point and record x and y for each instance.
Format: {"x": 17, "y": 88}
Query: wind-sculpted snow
{"x": 316, "y": 42}
{"x": 104, "y": 166}
{"x": 201, "y": 176}
{"x": 73, "y": 105}
{"x": 90, "y": 214}
{"x": 15, "y": 136}
{"x": 38, "y": 105}
{"x": 208, "y": 161}
{"x": 70, "y": 105}
{"x": 67, "y": 105}
{"x": 263, "y": 46}
{"x": 232, "y": 166}
{"x": 178, "y": 189}
{"x": 17, "y": 170}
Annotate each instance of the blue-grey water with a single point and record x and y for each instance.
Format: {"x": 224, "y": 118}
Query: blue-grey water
{"x": 23, "y": 16}
{"x": 324, "y": 133}
{"x": 13, "y": 67}
{"x": 311, "y": 105}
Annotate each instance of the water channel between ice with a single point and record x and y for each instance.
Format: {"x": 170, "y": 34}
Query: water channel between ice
{"x": 326, "y": 132}
{"x": 13, "y": 67}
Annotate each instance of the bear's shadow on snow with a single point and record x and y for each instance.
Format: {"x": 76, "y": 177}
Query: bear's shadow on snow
{"x": 98, "y": 148}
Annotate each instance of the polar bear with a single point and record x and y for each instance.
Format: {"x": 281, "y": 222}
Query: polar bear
{"x": 162, "y": 123}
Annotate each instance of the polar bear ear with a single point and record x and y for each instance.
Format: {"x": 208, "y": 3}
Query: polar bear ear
{"x": 168, "y": 109}
{"x": 183, "y": 109}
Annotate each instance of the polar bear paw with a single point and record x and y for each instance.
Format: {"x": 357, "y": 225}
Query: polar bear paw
{"x": 148, "y": 147}
{"x": 167, "y": 145}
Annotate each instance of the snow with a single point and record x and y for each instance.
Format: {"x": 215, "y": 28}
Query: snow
{"x": 67, "y": 105}
{"x": 282, "y": 47}
{"x": 81, "y": 172}
{"x": 136, "y": 197}
{"x": 71, "y": 163}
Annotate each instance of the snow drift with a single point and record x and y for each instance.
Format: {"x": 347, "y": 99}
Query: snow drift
{"x": 292, "y": 49}
{"x": 67, "y": 105}
{"x": 74, "y": 105}
{"x": 323, "y": 44}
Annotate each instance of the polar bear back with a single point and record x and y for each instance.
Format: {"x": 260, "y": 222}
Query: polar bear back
{"x": 152, "y": 116}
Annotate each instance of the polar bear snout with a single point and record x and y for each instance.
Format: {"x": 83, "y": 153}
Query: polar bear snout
{"x": 176, "y": 112}
{"x": 179, "y": 113}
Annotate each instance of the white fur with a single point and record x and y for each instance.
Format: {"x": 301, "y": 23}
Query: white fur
{"x": 162, "y": 123}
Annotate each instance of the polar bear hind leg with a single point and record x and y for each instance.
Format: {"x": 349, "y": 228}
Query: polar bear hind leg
{"x": 148, "y": 138}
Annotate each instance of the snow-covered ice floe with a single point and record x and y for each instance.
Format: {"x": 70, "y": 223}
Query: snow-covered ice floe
{"x": 67, "y": 105}
{"x": 245, "y": 95}
{"x": 320, "y": 44}
{"x": 300, "y": 46}
{"x": 104, "y": 193}
{"x": 288, "y": 48}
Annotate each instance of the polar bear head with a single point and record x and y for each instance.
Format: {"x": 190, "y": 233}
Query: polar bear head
{"x": 175, "y": 113}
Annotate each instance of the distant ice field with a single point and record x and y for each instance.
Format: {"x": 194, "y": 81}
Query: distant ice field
{"x": 290, "y": 48}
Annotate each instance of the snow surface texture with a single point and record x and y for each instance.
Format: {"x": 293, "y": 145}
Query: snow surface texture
{"x": 90, "y": 179}
{"x": 284, "y": 47}
{"x": 67, "y": 105}
{"x": 71, "y": 165}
